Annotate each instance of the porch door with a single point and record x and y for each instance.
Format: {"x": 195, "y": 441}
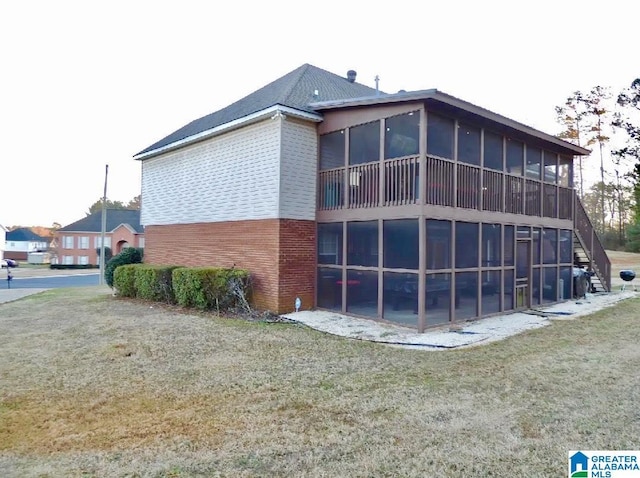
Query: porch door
{"x": 523, "y": 274}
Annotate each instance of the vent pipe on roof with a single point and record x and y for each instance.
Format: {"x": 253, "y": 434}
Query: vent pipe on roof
{"x": 351, "y": 76}
{"x": 377, "y": 80}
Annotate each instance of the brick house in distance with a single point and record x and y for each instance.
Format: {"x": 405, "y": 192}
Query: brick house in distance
{"x": 78, "y": 242}
{"x": 415, "y": 208}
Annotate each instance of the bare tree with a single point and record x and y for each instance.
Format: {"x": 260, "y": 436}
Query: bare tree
{"x": 628, "y": 121}
{"x": 570, "y": 116}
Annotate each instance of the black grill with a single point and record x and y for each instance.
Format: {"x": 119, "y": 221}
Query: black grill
{"x": 627, "y": 275}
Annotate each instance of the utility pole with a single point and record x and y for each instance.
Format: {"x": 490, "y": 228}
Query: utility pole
{"x": 104, "y": 224}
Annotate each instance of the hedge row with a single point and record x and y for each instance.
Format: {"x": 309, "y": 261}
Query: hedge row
{"x": 204, "y": 288}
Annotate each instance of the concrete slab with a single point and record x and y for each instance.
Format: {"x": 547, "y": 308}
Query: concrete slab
{"x": 466, "y": 334}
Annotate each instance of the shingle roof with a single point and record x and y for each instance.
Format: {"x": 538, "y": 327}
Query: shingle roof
{"x": 296, "y": 90}
{"x": 24, "y": 234}
{"x": 115, "y": 217}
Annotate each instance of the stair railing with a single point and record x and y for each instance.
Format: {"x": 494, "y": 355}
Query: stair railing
{"x": 598, "y": 259}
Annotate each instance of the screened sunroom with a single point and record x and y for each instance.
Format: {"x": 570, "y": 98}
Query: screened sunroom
{"x": 431, "y": 211}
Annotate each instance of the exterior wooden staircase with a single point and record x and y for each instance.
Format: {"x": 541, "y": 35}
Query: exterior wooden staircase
{"x": 589, "y": 251}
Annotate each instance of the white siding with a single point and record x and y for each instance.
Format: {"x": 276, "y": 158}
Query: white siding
{"x": 298, "y": 168}
{"x": 231, "y": 177}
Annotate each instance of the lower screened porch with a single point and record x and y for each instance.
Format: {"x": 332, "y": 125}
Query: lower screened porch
{"x": 422, "y": 272}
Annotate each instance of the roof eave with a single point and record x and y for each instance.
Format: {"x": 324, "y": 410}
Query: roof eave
{"x": 231, "y": 125}
{"x": 438, "y": 96}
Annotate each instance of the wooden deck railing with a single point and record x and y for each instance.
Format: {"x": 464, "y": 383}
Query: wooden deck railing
{"x": 396, "y": 182}
{"x": 401, "y": 181}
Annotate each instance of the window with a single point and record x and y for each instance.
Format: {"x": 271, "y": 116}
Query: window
{"x": 438, "y": 298}
{"x": 83, "y": 242}
{"x": 468, "y": 144}
{"x": 565, "y": 247}
{"x": 534, "y": 160}
{"x": 439, "y": 136}
{"x": 550, "y": 167}
{"x": 507, "y": 296}
{"x": 508, "y": 245}
{"x": 83, "y": 260}
{"x": 490, "y": 291}
{"x": 140, "y": 242}
{"x": 535, "y": 245}
{"x": 332, "y": 150}
{"x": 98, "y": 240}
{"x": 466, "y": 295}
{"x": 493, "y": 151}
{"x": 491, "y": 245}
{"x": 438, "y": 244}
{"x": 550, "y": 284}
{"x": 364, "y": 143}
{"x": 67, "y": 260}
{"x": 401, "y": 243}
{"x": 400, "y": 297}
{"x": 466, "y": 245}
{"x": 330, "y": 243}
{"x": 549, "y": 246}
{"x": 362, "y": 243}
{"x": 329, "y": 288}
{"x": 565, "y": 171}
{"x": 515, "y": 157}
{"x": 362, "y": 292}
{"x": 67, "y": 243}
{"x": 402, "y": 135}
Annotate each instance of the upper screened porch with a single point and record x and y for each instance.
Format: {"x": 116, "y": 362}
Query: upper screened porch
{"x": 430, "y": 153}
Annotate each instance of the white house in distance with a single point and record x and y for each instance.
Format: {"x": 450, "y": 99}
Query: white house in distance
{"x": 20, "y": 242}
{"x": 3, "y": 238}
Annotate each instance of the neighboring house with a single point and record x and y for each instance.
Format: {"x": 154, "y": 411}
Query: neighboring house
{"x": 417, "y": 207}
{"x": 79, "y": 242}
{"x": 23, "y": 241}
{"x": 3, "y": 235}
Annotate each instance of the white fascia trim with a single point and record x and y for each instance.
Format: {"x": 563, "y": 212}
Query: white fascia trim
{"x": 126, "y": 226}
{"x": 223, "y": 128}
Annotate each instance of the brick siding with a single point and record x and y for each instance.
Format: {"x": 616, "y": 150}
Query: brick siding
{"x": 279, "y": 253}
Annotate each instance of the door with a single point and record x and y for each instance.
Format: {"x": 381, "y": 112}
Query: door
{"x": 523, "y": 274}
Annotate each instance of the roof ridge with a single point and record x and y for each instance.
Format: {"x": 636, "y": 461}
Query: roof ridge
{"x": 294, "y": 84}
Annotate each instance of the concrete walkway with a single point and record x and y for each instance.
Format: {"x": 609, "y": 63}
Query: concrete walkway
{"x": 9, "y": 295}
{"x": 465, "y": 334}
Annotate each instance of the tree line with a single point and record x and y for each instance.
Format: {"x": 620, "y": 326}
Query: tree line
{"x": 608, "y": 123}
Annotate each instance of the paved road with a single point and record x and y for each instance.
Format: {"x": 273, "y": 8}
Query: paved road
{"x": 50, "y": 282}
{"x": 28, "y": 281}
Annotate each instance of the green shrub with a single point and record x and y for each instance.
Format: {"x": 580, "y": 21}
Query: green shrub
{"x": 71, "y": 266}
{"x": 130, "y": 255}
{"x": 108, "y": 253}
{"x": 209, "y": 287}
{"x": 124, "y": 279}
{"x": 154, "y": 283}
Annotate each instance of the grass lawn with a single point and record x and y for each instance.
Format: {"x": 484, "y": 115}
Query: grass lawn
{"x": 92, "y": 385}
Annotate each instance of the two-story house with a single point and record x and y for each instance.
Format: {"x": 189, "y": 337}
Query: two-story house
{"x": 79, "y": 242}
{"x": 416, "y": 207}
{"x": 22, "y": 241}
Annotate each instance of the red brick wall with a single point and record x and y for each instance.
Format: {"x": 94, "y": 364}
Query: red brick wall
{"x": 280, "y": 254}
{"x": 297, "y": 263}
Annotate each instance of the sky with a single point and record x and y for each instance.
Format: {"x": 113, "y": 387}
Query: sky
{"x": 85, "y": 84}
